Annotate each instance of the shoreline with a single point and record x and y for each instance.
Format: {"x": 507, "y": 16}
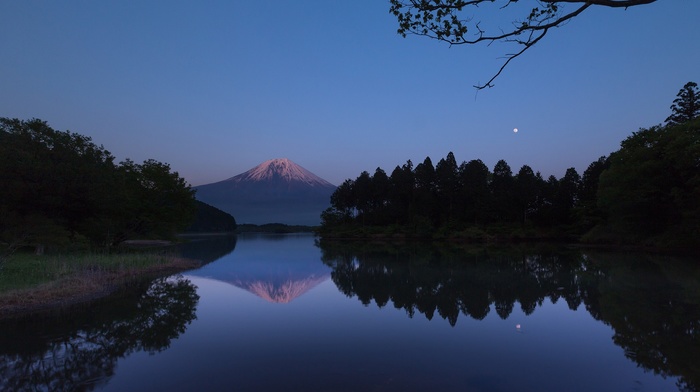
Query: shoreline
{"x": 83, "y": 287}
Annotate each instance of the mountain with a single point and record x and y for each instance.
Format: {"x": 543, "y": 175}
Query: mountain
{"x": 276, "y": 191}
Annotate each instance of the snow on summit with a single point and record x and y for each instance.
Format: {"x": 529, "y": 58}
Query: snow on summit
{"x": 280, "y": 169}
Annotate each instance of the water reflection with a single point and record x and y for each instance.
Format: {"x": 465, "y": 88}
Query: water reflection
{"x": 453, "y": 280}
{"x": 329, "y": 341}
{"x": 77, "y": 349}
{"x": 277, "y": 272}
{"x": 207, "y": 248}
{"x": 652, "y": 303}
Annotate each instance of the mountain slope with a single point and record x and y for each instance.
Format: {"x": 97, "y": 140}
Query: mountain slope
{"x": 276, "y": 191}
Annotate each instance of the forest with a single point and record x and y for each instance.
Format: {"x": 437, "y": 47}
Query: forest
{"x": 646, "y": 193}
{"x": 61, "y": 190}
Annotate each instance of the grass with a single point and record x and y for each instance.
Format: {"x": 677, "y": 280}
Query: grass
{"x": 29, "y": 282}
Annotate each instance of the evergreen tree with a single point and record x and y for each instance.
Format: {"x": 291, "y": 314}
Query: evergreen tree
{"x": 527, "y": 192}
{"x": 474, "y": 178}
{"x": 588, "y": 211}
{"x": 447, "y": 183}
{"x": 380, "y": 189}
{"x": 401, "y": 192}
{"x": 686, "y": 106}
{"x": 503, "y": 193}
{"x": 363, "y": 195}
{"x": 567, "y": 196}
{"x": 425, "y": 192}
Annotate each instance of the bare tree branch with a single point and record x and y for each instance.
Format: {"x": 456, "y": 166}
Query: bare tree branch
{"x": 509, "y": 58}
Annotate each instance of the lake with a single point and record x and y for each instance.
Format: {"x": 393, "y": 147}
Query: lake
{"x": 285, "y": 312}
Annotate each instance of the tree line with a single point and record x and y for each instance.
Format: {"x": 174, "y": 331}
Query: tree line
{"x": 60, "y": 188}
{"x": 455, "y": 195}
{"x": 646, "y": 192}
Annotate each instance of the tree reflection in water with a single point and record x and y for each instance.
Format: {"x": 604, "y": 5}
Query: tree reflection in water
{"x": 652, "y": 303}
{"x": 91, "y": 340}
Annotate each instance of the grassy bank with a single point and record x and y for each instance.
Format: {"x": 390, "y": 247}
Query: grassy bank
{"x": 30, "y": 283}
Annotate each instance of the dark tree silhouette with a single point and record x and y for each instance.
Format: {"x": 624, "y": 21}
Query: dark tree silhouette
{"x": 459, "y": 22}
{"x": 58, "y": 186}
{"x": 650, "y": 191}
{"x": 503, "y": 193}
{"x": 401, "y": 192}
{"x": 588, "y": 212}
{"x": 474, "y": 176}
{"x": 686, "y": 106}
{"x": 439, "y": 201}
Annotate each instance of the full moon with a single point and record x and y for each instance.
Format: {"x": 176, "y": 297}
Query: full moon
{"x": 515, "y": 130}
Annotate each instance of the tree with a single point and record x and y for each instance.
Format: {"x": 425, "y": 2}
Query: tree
{"x": 425, "y": 191}
{"x": 363, "y": 195}
{"x": 54, "y": 182}
{"x": 651, "y": 191}
{"x": 161, "y": 203}
{"x": 454, "y": 21}
{"x": 527, "y": 195}
{"x": 401, "y": 192}
{"x": 503, "y": 193}
{"x": 447, "y": 184}
{"x": 686, "y": 106}
{"x": 58, "y": 186}
{"x": 380, "y": 189}
{"x": 474, "y": 178}
{"x": 567, "y": 196}
{"x": 589, "y": 214}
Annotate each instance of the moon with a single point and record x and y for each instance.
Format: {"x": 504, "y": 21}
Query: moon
{"x": 515, "y": 130}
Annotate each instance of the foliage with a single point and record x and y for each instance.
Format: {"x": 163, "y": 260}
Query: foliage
{"x": 60, "y": 187}
{"x": 465, "y": 22}
{"x": 646, "y": 193}
{"x": 209, "y": 219}
{"x": 588, "y": 213}
{"x": 651, "y": 191}
{"x": 686, "y": 106}
{"x": 430, "y": 201}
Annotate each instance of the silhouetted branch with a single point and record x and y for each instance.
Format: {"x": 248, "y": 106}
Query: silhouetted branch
{"x": 443, "y": 20}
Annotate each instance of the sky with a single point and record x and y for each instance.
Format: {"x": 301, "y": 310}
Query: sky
{"x": 214, "y": 88}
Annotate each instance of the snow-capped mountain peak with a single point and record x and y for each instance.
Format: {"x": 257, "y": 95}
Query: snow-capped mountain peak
{"x": 280, "y": 169}
{"x": 275, "y": 191}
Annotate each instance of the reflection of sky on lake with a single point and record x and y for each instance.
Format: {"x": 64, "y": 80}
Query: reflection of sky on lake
{"x": 277, "y": 268}
{"x": 324, "y": 340}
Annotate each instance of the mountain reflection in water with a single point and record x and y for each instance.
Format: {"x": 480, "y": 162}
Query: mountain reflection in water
{"x": 391, "y": 317}
{"x": 268, "y": 273}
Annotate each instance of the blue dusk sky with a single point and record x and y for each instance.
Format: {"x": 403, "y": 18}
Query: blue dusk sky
{"x": 216, "y": 87}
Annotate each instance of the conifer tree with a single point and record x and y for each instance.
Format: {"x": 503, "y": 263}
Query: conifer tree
{"x": 686, "y": 106}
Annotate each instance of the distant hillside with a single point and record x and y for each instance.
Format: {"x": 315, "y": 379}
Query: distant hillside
{"x": 209, "y": 219}
{"x": 276, "y": 191}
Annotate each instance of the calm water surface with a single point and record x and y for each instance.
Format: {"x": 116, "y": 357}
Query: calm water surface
{"x": 270, "y": 313}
